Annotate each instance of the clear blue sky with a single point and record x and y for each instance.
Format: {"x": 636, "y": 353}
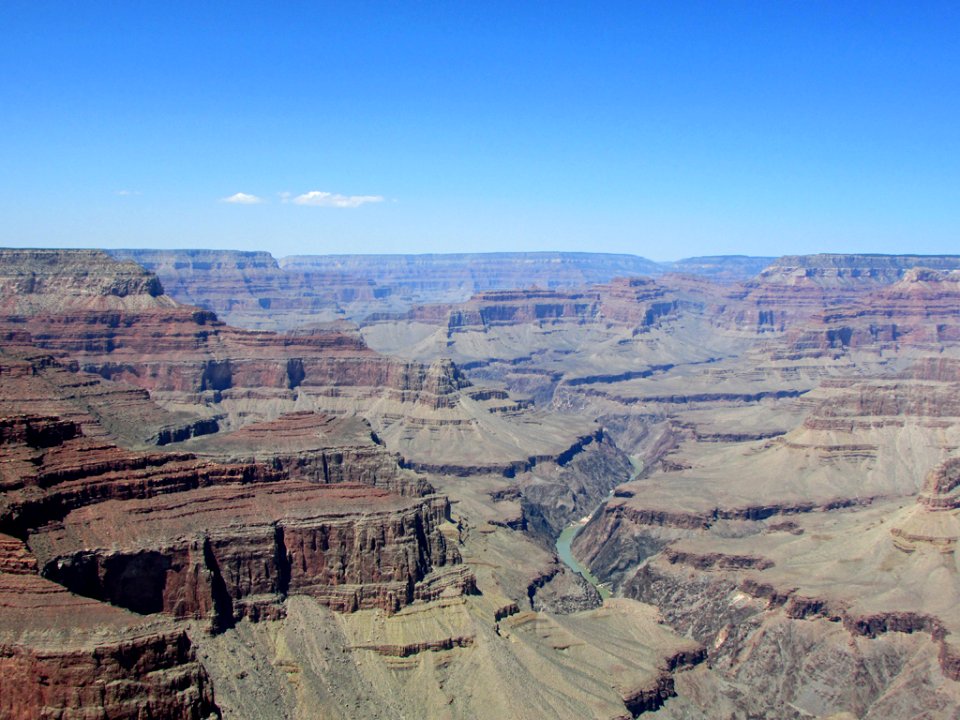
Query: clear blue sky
{"x": 664, "y": 129}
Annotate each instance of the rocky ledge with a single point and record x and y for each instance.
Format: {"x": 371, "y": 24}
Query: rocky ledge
{"x": 64, "y": 656}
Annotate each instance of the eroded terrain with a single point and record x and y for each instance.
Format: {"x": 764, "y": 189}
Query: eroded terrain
{"x": 356, "y": 516}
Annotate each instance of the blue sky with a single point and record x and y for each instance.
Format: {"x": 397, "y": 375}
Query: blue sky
{"x": 664, "y": 129}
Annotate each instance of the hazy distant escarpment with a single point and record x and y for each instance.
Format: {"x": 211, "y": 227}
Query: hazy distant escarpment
{"x": 256, "y": 291}
{"x": 459, "y": 273}
{"x": 721, "y": 268}
{"x": 879, "y": 268}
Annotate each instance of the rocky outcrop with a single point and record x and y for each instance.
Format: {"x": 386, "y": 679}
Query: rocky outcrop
{"x": 939, "y": 490}
{"x": 558, "y": 590}
{"x": 745, "y": 625}
{"x": 186, "y": 518}
{"x": 495, "y": 308}
{"x": 318, "y": 448}
{"x": 512, "y": 468}
{"x": 918, "y": 310}
{"x": 35, "y": 382}
{"x": 35, "y": 281}
{"x": 639, "y": 302}
{"x": 708, "y": 561}
{"x": 852, "y": 405}
{"x": 45, "y": 483}
{"x": 825, "y": 289}
{"x": 141, "y": 676}
{"x": 63, "y": 656}
{"x": 222, "y": 554}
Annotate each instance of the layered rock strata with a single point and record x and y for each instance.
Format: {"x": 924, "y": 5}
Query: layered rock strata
{"x": 64, "y": 656}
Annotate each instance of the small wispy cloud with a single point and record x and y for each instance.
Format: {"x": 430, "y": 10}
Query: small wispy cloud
{"x": 127, "y": 193}
{"x": 242, "y": 199}
{"x": 317, "y": 198}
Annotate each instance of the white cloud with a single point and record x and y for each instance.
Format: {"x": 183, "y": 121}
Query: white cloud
{"x": 318, "y": 198}
{"x": 126, "y": 193}
{"x": 242, "y": 199}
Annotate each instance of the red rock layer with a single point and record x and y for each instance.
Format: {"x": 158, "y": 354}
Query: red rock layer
{"x": 844, "y": 298}
{"x": 226, "y": 552}
{"x": 44, "y": 483}
{"x": 183, "y": 350}
{"x": 920, "y": 310}
{"x": 68, "y": 658}
{"x": 137, "y": 335}
{"x": 165, "y": 534}
{"x": 318, "y": 448}
{"x": 34, "y": 382}
{"x": 200, "y": 516}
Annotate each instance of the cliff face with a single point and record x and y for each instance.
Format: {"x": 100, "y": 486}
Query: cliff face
{"x": 493, "y": 308}
{"x": 365, "y": 549}
{"x": 171, "y": 535}
{"x": 65, "y": 656}
{"x": 97, "y": 517}
{"x": 637, "y": 302}
{"x": 918, "y": 310}
{"x": 33, "y": 281}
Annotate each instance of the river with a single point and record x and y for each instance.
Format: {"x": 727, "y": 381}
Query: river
{"x": 565, "y": 553}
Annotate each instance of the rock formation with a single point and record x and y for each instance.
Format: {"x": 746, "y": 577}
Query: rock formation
{"x": 197, "y": 519}
{"x": 194, "y": 517}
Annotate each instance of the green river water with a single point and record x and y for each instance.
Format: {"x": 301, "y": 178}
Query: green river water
{"x": 570, "y": 532}
{"x": 566, "y": 555}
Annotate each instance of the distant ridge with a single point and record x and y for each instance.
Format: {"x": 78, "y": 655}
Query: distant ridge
{"x": 721, "y": 268}
{"x": 253, "y": 289}
{"x": 869, "y": 260}
{"x": 476, "y": 272}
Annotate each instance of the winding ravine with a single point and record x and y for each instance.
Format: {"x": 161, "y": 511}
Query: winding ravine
{"x": 564, "y": 551}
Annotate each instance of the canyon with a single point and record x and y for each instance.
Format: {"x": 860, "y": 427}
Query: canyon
{"x": 331, "y": 486}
